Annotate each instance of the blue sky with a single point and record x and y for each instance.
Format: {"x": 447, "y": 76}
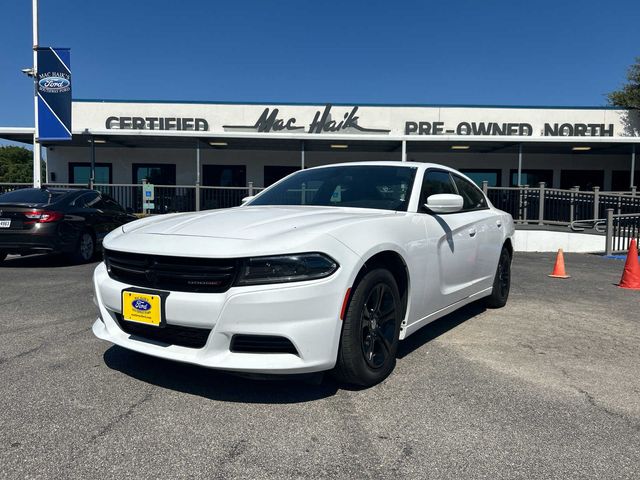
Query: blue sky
{"x": 461, "y": 52}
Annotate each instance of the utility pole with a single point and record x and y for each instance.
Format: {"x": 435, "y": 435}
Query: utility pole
{"x": 36, "y": 140}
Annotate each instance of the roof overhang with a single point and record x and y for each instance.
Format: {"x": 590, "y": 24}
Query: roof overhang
{"x": 17, "y": 134}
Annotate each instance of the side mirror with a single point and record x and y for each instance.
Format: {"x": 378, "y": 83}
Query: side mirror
{"x": 444, "y": 203}
{"x": 246, "y": 199}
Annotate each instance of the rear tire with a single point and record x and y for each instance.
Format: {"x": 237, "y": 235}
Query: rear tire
{"x": 85, "y": 248}
{"x": 3, "y": 255}
{"x": 501, "y": 282}
{"x": 369, "y": 340}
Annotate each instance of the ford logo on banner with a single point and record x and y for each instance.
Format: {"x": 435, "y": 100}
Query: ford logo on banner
{"x": 53, "y": 88}
{"x": 54, "y": 84}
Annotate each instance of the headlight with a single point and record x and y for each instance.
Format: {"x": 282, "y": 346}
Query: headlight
{"x": 285, "y": 268}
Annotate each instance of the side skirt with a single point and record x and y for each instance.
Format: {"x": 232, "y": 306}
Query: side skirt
{"x": 415, "y": 326}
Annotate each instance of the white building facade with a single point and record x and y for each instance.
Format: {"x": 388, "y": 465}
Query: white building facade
{"x": 224, "y": 144}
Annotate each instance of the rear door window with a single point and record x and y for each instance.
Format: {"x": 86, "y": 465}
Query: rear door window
{"x": 88, "y": 200}
{"x": 472, "y": 196}
{"x": 436, "y": 182}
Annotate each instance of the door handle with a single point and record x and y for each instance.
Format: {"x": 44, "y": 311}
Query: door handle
{"x": 499, "y": 223}
{"x": 472, "y": 232}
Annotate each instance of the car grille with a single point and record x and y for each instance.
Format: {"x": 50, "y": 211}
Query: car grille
{"x": 261, "y": 344}
{"x": 191, "y": 337}
{"x": 180, "y": 274}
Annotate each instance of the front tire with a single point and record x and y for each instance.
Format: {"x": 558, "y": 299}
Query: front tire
{"x": 369, "y": 340}
{"x": 501, "y": 282}
{"x": 85, "y": 248}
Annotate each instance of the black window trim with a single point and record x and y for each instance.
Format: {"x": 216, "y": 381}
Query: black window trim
{"x": 422, "y": 208}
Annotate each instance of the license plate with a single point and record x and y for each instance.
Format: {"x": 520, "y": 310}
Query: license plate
{"x": 5, "y": 222}
{"x": 142, "y": 308}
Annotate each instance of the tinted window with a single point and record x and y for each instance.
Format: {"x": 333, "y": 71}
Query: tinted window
{"x": 532, "y": 177}
{"x": 81, "y": 172}
{"x": 435, "y": 182}
{"x": 224, "y": 175}
{"x": 87, "y": 200}
{"x": 32, "y": 196}
{"x": 472, "y": 196}
{"x": 363, "y": 186}
{"x": 158, "y": 174}
{"x": 492, "y": 177}
{"x": 585, "y": 179}
{"x": 273, "y": 173}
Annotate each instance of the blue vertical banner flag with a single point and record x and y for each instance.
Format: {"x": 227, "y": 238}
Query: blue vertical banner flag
{"x": 53, "y": 88}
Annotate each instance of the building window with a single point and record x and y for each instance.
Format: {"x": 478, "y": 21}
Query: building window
{"x": 224, "y": 175}
{"x": 492, "y": 177}
{"x": 80, "y": 172}
{"x": 585, "y": 179}
{"x": 621, "y": 180}
{"x": 158, "y": 174}
{"x": 273, "y": 173}
{"x": 532, "y": 177}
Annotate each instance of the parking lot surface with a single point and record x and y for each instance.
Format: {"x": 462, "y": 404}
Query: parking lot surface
{"x": 548, "y": 387}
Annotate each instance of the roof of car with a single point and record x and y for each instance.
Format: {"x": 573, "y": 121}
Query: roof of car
{"x": 388, "y": 163}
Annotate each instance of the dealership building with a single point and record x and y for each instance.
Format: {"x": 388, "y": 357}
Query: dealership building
{"x": 232, "y": 144}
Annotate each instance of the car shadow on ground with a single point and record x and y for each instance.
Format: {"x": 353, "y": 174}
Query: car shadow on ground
{"x": 439, "y": 327}
{"x": 38, "y": 260}
{"x": 222, "y": 386}
{"x": 216, "y": 385}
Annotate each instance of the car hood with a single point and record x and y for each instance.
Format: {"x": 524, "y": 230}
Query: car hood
{"x": 259, "y": 229}
{"x": 251, "y": 223}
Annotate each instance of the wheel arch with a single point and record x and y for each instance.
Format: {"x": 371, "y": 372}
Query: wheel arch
{"x": 396, "y": 264}
{"x": 508, "y": 244}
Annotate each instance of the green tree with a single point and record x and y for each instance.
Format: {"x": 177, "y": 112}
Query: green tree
{"x": 16, "y": 165}
{"x": 629, "y": 95}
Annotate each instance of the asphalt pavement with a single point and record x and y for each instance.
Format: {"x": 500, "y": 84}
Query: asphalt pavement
{"x": 547, "y": 387}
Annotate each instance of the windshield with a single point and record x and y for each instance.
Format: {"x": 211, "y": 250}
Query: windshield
{"x": 363, "y": 186}
{"x": 31, "y": 196}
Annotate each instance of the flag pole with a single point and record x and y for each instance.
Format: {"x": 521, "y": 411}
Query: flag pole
{"x": 36, "y": 131}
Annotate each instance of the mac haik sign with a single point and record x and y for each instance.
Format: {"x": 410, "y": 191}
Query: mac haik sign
{"x": 323, "y": 121}
{"x": 53, "y": 87}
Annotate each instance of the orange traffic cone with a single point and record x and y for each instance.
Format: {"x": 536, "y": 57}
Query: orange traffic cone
{"x": 558, "y": 268}
{"x": 631, "y": 274}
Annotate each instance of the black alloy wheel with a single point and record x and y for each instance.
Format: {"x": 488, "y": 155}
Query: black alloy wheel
{"x": 502, "y": 281}
{"x": 369, "y": 340}
{"x": 378, "y": 325}
{"x": 85, "y": 248}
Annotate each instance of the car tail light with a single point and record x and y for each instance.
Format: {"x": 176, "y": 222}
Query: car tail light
{"x": 43, "y": 216}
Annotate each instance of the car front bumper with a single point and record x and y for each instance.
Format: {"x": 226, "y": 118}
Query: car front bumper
{"x": 305, "y": 313}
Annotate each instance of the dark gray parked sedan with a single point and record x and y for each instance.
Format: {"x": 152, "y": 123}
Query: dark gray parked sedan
{"x": 70, "y": 221}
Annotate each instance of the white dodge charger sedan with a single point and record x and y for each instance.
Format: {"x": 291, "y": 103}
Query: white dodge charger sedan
{"x": 328, "y": 269}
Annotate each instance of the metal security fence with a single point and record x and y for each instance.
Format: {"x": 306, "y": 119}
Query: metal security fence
{"x": 552, "y": 206}
{"x": 528, "y": 205}
{"x": 620, "y": 229}
{"x": 168, "y": 198}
